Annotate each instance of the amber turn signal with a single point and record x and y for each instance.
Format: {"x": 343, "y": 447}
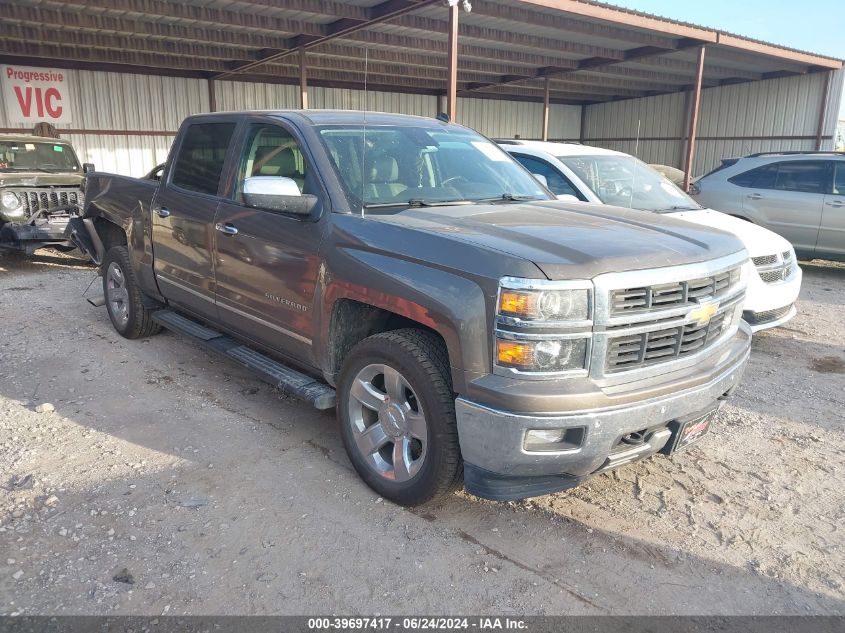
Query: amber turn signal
{"x": 514, "y": 354}
{"x": 516, "y": 303}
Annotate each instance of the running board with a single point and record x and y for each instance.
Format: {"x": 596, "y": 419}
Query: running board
{"x": 285, "y": 379}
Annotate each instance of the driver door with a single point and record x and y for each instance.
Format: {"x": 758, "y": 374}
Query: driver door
{"x": 267, "y": 262}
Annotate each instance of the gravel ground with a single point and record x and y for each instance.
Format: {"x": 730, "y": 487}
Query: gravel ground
{"x": 168, "y": 480}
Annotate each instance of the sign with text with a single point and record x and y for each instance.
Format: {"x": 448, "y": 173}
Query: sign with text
{"x": 32, "y": 95}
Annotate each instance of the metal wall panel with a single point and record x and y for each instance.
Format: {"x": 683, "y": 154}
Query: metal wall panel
{"x": 147, "y": 103}
{"x": 129, "y": 155}
{"x": 119, "y": 103}
{"x": 506, "y": 119}
{"x": 785, "y": 107}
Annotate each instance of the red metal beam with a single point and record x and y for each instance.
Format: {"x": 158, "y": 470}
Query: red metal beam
{"x": 303, "y": 81}
{"x": 693, "y": 120}
{"x": 546, "y": 96}
{"x": 452, "y": 65}
{"x": 823, "y": 109}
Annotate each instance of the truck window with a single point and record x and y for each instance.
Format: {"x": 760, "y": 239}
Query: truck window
{"x": 201, "y": 156}
{"x": 271, "y": 151}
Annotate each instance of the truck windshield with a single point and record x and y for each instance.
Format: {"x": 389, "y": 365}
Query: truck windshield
{"x": 624, "y": 181}
{"x": 37, "y": 156}
{"x": 389, "y": 166}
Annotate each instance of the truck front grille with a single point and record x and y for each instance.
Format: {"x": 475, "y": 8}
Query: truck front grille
{"x": 671, "y": 295}
{"x": 774, "y": 268}
{"x": 662, "y": 345}
{"x": 648, "y": 321}
{"x": 47, "y": 198}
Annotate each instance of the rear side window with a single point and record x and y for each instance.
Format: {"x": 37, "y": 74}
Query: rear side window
{"x": 803, "y": 176}
{"x": 839, "y": 179}
{"x": 201, "y": 156}
{"x": 558, "y": 183}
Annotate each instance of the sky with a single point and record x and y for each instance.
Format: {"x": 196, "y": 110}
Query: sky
{"x": 817, "y": 26}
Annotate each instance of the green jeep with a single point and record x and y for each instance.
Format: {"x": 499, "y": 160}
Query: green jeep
{"x": 40, "y": 188}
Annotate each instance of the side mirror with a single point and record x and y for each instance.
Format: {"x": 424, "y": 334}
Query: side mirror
{"x": 568, "y": 197}
{"x": 542, "y": 180}
{"x": 276, "y": 193}
{"x": 87, "y": 168}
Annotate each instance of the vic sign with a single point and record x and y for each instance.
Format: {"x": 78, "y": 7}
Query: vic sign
{"x": 32, "y": 95}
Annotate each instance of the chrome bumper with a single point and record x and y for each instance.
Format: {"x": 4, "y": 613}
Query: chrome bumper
{"x": 492, "y": 441}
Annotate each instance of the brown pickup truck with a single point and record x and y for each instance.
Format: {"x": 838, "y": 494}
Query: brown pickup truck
{"x": 468, "y": 327}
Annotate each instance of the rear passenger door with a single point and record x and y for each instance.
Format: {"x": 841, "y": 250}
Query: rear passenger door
{"x": 183, "y": 217}
{"x": 787, "y": 197}
{"x": 832, "y": 232}
{"x": 556, "y": 181}
{"x": 267, "y": 262}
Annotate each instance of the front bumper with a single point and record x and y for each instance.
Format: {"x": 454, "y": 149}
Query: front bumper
{"x": 497, "y": 466}
{"x": 29, "y": 237}
{"x": 769, "y": 305}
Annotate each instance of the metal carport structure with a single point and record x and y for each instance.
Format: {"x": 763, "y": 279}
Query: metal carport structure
{"x": 609, "y": 68}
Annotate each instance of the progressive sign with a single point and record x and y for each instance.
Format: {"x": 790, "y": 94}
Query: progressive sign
{"x": 32, "y": 95}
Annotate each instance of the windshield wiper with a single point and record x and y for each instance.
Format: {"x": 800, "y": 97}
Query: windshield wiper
{"x": 417, "y": 202}
{"x": 509, "y": 197}
{"x": 678, "y": 208}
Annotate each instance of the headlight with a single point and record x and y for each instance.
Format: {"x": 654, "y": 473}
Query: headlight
{"x": 543, "y": 328}
{"x": 542, "y": 356}
{"x": 10, "y": 201}
{"x": 536, "y": 300}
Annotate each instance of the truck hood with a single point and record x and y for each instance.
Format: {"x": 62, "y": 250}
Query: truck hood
{"x": 757, "y": 240}
{"x": 38, "y": 179}
{"x": 568, "y": 240}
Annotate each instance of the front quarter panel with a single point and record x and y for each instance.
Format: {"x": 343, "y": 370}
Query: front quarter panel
{"x": 453, "y": 306}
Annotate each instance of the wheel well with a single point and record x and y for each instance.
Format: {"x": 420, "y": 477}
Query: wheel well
{"x": 353, "y": 321}
{"x": 110, "y": 234}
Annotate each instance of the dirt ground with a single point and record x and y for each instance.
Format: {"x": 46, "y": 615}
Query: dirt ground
{"x": 168, "y": 480}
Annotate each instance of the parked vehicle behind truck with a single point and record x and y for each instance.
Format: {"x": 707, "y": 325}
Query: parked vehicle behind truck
{"x": 465, "y": 324}
{"x": 39, "y": 189}
{"x": 595, "y": 174}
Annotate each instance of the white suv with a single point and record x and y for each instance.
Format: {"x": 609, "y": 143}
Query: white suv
{"x": 592, "y": 174}
{"x": 799, "y": 195}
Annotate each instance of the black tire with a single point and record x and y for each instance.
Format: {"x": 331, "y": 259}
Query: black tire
{"x": 136, "y": 321}
{"x": 421, "y": 359}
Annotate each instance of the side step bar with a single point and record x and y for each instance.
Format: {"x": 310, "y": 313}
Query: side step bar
{"x": 284, "y": 378}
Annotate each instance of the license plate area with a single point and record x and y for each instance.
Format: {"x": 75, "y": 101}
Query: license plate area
{"x": 687, "y": 431}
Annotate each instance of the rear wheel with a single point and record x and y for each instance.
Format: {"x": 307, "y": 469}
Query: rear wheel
{"x": 124, "y": 299}
{"x": 397, "y": 414}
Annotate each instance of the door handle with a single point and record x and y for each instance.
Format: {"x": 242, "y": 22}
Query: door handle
{"x": 163, "y": 212}
{"x": 755, "y": 196}
{"x": 835, "y": 203}
{"x": 227, "y": 228}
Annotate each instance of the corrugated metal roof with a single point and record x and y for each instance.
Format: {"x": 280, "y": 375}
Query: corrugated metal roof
{"x": 517, "y": 41}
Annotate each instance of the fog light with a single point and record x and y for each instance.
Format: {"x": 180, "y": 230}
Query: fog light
{"x": 541, "y": 436}
{"x": 554, "y": 439}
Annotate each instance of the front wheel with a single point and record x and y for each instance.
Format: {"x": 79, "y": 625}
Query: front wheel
{"x": 397, "y": 415}
{"x": 124, "y": 300}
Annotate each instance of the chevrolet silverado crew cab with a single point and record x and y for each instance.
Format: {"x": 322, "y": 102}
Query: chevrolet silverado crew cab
{"x": 39, "y": 190}
{"x": 467, "y": 326}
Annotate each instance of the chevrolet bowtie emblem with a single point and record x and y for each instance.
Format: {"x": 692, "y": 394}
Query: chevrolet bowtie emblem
{"x": 703, "y": 312}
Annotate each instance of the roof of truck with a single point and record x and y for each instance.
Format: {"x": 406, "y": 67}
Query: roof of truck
{"x": 338, "y": 117}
